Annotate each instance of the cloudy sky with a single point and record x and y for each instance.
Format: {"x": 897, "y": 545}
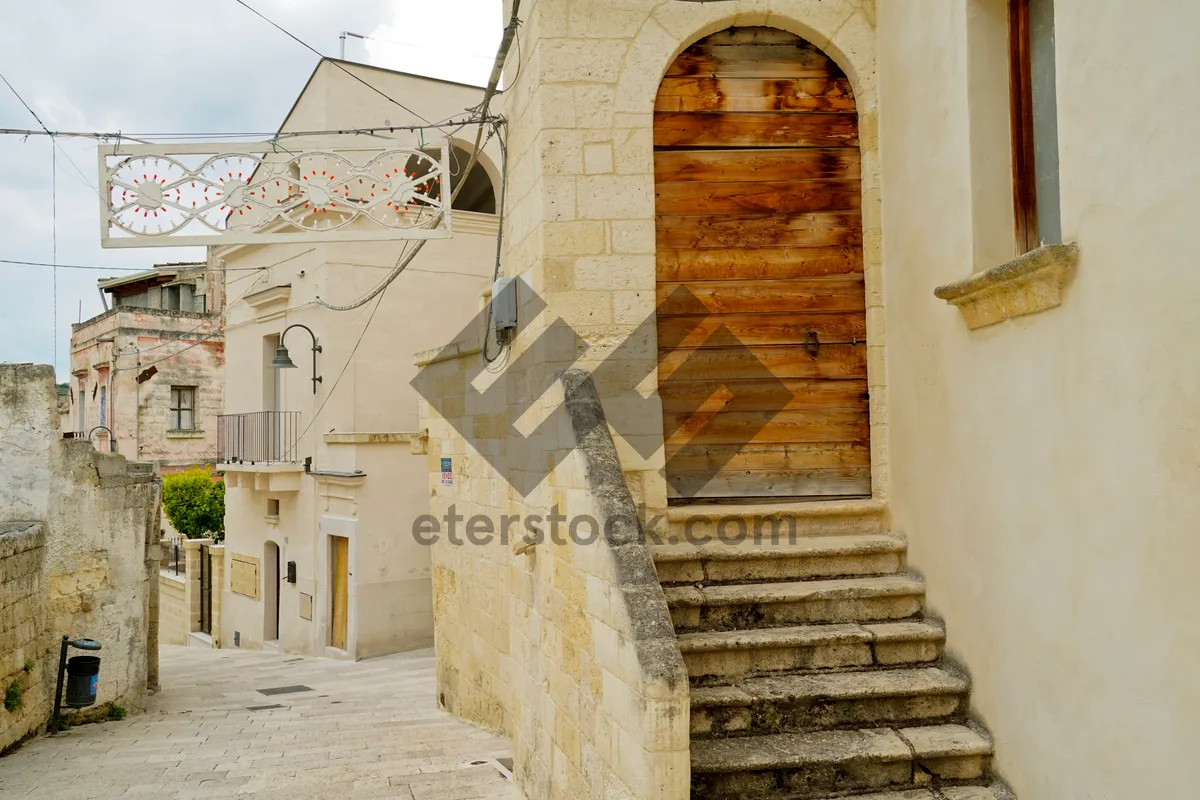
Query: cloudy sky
{"x": 168, "y": 66}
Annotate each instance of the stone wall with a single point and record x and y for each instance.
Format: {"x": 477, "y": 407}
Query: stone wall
{"x": 560, "y": 639}
{"x": 174, "y": 619}
{"x": 22, "y": 620}
{"x": 580, "y": 223}
{"x": 98, "y": 516}
{"x": 180, "y": 595}
{"x": 186, "y": 349}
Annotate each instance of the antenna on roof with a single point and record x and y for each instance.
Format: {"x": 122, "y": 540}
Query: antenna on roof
{"x": 343, "y": 36}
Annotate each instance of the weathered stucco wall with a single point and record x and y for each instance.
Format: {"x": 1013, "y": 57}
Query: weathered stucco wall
{"x": 186, "y": 348}
{"x": 555, "y": 631}
{"x": 99, "y": 517}
{"x": 1044, "y": 469}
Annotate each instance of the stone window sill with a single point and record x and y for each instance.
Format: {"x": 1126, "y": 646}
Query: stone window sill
{"x": 185, "y": 434}
{"x": 272, "y": 519}
{"x": 1026, "y": 285}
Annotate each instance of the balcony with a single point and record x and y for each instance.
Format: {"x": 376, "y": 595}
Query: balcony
{"x": 257, "y": 451}
{"x": 261, "y": 437}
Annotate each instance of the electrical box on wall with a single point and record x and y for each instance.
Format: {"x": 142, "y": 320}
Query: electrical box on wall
{"x": 291, "y": 572}
{"x": 504, "y": 309}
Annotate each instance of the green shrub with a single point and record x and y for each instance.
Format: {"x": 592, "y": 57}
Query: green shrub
{"x": 116, "y": 712}
{"x": 14, "y": 695}
{"x": 194, "y": 502}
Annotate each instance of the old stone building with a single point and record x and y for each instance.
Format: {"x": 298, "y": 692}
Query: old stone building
{"x": 904, "y": 280}
{"x": 78, "y": 558}
{"x": 146, "y": 375}
{"x": 323, "y": 462}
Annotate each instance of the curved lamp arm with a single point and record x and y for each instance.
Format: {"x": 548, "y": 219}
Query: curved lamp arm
{"x": 316, "y": 348}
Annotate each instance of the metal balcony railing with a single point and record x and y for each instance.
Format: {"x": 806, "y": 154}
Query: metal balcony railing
{"x": 261, "y": 437}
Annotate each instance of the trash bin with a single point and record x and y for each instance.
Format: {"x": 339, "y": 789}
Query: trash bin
{"x": 83, "y": 673}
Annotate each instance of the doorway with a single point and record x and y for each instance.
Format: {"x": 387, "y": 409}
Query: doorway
{"x": 271, "y": 592}
{"x": 339, "y": 561}
{"x": 760, "y": 286}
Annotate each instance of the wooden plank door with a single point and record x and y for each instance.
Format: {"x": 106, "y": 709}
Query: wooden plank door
{"x": 761, "y": 301}
{"x": 340, "y": 547}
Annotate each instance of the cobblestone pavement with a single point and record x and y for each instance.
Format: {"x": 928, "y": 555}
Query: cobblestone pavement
{"x": 365, "y": 730}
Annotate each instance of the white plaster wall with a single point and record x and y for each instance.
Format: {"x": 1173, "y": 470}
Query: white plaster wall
{"x": 1045, "y": 469}
{"x": 429, "y": 304}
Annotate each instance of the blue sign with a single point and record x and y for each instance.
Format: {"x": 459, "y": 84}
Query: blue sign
{"x": 447, "y": 472}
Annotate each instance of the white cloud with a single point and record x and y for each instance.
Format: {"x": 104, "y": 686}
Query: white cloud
{"x": 154, "y": 66}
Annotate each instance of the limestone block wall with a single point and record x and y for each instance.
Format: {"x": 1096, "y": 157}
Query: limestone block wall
{"x": 22, "y": 620}
{"x": 555, "y": 633}
{"x": 580, "y": 221}
{"x": 173, "y": 616}
{"x": 98, "y": 563}
{"x": 180, "y": 596}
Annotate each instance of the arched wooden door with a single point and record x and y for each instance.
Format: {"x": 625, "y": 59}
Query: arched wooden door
{"x": 761, "y": 301}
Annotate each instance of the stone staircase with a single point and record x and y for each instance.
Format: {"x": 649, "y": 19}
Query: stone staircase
{"x": 813, "y": 673}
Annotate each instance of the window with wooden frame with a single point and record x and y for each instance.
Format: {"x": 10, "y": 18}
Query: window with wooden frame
{"x": 1034, "y": 123}
{"x": 183, "y": 408}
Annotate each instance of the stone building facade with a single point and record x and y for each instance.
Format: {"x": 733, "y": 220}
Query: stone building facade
{"x": 148, "y": 372}
{"x": 324, "y": 479}
{"x": 1034, "y": 457}
{"x": 78, "y": 557}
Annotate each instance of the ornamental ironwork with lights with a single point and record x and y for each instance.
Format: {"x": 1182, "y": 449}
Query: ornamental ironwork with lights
{"x": 168, "y": 195}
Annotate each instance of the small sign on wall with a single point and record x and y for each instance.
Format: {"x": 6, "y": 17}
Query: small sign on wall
{"x": 447, "y": 472}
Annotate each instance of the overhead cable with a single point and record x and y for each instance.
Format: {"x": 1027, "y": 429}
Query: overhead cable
{"x": 493, "y": 82}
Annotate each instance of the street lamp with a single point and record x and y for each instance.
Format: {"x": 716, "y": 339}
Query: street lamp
{"x": 283, "y": 361}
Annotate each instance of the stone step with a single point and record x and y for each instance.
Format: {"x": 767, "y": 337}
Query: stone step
{"x": 804, "y": 558}
{"x": 761, "y": 605}
{"x": 731, "y": 655}
{"x": 820, "y": 764}
{"x": 692, "y": 523}
{"x": 793, "y": 703}
{"x": 945, "y": 793}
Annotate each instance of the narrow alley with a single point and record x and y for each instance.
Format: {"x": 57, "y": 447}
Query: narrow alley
{"x": 232, "y": 724}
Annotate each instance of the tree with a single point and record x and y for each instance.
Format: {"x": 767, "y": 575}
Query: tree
{"x": 194, "y": 502}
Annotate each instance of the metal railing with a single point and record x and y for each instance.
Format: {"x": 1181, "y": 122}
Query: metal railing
{"x": 261, "y": 437}
{"x": 206, "y": 580}
{"x": 172, "y": 556}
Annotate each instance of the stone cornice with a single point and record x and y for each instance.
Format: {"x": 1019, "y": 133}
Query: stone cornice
{"x": 269, "y": 295}
{"x": 1026, "y": 285}
{"x": 456, "y": 349}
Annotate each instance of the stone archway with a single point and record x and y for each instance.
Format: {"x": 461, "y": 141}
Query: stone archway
{"x": 760, "y": 274}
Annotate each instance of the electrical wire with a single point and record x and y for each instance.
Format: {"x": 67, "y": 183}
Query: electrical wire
{"x": 493, "y": 81}
{"x": 329, "y": 394}
{"x": 487, "y": 328}
{"x": 218, "y": 332}
{"x": 22, "y": 263}
{"x": 22, "y": 101}
{"x": 54, "y": 244}
{"x": 144, "y": 138}
{"x": 369, "y": 85}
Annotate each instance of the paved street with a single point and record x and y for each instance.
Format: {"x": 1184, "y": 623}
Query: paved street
{"x": 365, "y": 730}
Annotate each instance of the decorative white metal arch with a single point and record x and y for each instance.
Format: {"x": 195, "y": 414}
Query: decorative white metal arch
{"x": 172, "y": 195}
